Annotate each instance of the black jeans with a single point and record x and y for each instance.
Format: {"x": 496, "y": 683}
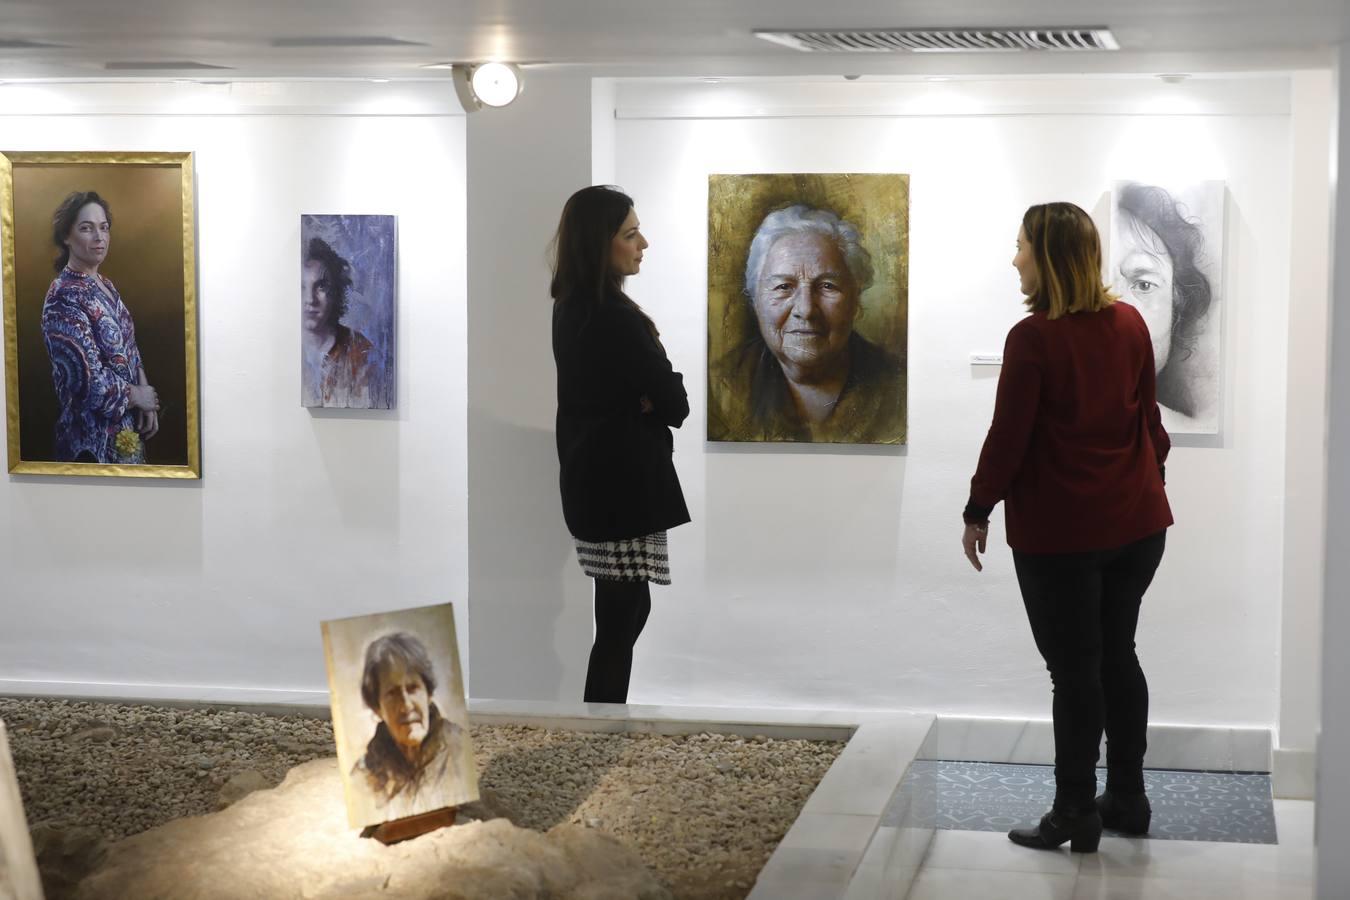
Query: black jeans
{"x": 1083, "y": 609}
{"x": 621, "y": 610}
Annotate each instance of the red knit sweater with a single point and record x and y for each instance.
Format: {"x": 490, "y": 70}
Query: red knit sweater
{"x": 1077, "y": 445}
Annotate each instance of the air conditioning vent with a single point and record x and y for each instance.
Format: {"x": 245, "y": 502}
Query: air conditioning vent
{"x": 300, "y": 42}
{"x": 159, "y": 66}
{"x": 21, "y": 44}
{"x": 940, "y": 40}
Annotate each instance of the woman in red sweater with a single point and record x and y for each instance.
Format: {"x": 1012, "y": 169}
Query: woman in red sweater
{"x": 1076, "y": 452}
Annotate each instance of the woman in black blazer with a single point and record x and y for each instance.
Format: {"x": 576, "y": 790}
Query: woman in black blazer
{"x": 618, "y": 398}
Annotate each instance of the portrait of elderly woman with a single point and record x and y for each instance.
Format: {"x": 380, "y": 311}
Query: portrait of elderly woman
{"x": 1167, "y": 262}
{"x": 802, "y": 369}
{"x": 415, "y": 750}
{"x": 403, "y": 742}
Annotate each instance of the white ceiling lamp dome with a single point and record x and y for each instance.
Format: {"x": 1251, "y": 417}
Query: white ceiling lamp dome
{"x": 496, "y": 84}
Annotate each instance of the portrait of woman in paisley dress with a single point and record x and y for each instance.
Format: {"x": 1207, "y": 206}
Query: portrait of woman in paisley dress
{"x": 107, "y": 406}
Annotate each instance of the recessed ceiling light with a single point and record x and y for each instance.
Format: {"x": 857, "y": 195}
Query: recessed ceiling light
{"x": 1173, "y": 77}
{"x": 937, "y": 78}
{"x": 150, "y": 65}
{"x": 711, "y": 80}
{"x": 379, "y": 81}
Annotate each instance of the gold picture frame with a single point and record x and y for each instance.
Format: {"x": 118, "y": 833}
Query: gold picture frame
{"x": 148, "y": 273}
{"x": 851, "y": 234}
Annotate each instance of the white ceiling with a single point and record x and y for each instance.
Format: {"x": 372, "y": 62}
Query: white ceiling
{"x": 635, "y": 37}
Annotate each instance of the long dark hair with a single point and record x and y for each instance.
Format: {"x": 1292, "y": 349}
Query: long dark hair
{"x": 580, "y": 251}
{"x": 64, "y": 219}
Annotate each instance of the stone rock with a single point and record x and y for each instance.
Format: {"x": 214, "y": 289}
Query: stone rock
{"x": 240, "y": 786}
{"x": 290, "y": 745}
{"x": 487, "y": 807}
{"x": 65, "y": 856}
{"x": 293, "y": 842}
{"x": 95, "y": 733}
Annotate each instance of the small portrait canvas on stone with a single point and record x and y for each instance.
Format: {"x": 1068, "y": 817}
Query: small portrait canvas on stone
{"x": 347, "y": 293}
{"x": 399, "y": 716}
{"x": 1167, "y": 261}
{"x": 18, "y": 869}
{"x": 808, "y": 308}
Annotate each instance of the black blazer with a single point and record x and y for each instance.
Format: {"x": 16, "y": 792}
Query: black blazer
{"x": 618, "y": 479}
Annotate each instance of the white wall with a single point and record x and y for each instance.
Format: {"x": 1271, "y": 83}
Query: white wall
{"x": 821, "y": 577}
{"x": 1306, "y": 430}
{"x": 216, "y": 588}
{"x": 1333, "y": 788}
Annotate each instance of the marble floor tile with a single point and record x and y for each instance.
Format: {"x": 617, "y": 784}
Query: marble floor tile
{"x": 1294, "y": 820}
{"x": 986, "y": 850}
{"x": 1198, "y": 860}
{"x": 806, "y": 873}
{"x": 1095, "y": 887}
{"x": 970, "y": 884}
{"x": 827, "y": 831}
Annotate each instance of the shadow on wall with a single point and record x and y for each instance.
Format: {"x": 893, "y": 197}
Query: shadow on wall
{"x": 529, "y": 604}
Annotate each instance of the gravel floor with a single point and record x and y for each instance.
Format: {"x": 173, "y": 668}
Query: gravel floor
{"x": 704, "y": 811}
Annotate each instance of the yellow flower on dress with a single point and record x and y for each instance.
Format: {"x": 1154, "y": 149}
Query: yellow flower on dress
{"x": 127, "y": 443}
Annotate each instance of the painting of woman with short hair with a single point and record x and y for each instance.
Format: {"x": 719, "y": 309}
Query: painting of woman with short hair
{"x": 400, "y": 719}
{"x": 347, "y": 285}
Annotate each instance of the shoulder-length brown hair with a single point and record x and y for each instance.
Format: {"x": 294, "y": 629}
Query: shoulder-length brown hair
{"x": 1068, "y": 254}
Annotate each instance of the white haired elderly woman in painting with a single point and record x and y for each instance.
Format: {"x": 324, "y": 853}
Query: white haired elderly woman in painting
{"x": 414, "y": 759}
{"x": 805, "y": 374}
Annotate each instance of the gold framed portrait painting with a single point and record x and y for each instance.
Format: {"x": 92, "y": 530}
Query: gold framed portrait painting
{"x": 100, "y": 313}
{"x": 399, "y": 717}
{"x": 808, "y": 308}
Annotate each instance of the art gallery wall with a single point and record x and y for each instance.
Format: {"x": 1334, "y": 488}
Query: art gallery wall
{"x": 816, "y": 576}
{"x": 214, "y": 589}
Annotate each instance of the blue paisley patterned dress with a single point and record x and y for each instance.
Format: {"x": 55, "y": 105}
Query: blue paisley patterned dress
{"x": 95, "y": 361}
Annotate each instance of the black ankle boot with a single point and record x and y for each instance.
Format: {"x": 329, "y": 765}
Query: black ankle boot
{"x": 1126, "y": 813}
{"x": 1083, "y": 831}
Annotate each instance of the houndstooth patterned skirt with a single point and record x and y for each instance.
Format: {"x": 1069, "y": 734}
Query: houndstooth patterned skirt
{"x": 631, "y": 559}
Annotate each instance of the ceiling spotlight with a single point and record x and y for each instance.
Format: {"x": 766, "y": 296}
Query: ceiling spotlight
{"x": 1173, "y": 77}
{"x": 488, "y": 84}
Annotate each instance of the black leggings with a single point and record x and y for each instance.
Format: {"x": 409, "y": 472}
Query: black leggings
{"x": 1083, "y": 609}
{"x": 621, "y": 610}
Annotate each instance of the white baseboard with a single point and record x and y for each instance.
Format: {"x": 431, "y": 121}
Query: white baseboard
{"x": 1294, "y": 776}
{"x": 1032, "y": 742}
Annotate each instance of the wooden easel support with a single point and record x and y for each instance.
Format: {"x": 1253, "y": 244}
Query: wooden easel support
{"x": 411, "y": 827}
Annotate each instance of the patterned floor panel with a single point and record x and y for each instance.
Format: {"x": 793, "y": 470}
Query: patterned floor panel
{"x": 1187, "y": 806}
